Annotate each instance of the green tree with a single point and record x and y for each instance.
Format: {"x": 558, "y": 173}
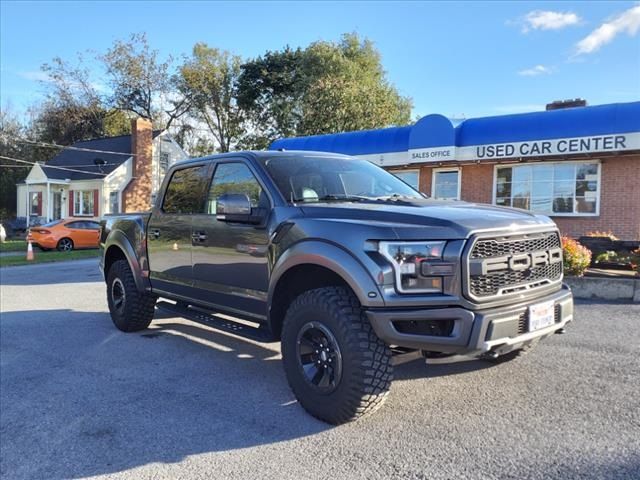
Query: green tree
{"x": 11, "y": 172}
{"x": 140, "y": 81}
{"x": 74, "y": 109}
{"x": 349, "y": 90}
{"x": 67, "y": 124}
{"x": 327, "y": 87}
{"x": 208, "y": 81}
{"x": 116, "y": 122}
{"x": 271, "y": 89}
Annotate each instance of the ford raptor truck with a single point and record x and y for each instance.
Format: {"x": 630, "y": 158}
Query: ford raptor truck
{"x": 342, "y": 262}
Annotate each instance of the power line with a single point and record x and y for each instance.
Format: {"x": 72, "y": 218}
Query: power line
{"x": 63, "y": 147}
{"x": 52, "y": 166}
{"x": 45, "y": 164}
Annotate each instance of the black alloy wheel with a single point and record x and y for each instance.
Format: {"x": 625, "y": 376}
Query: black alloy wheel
{"x": 118, "y": 296}
{"x": 319, "y": 357}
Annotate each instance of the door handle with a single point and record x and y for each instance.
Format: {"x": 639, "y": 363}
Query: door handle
{"x": 199, "y": 237}
{"x": 155, "y": 233}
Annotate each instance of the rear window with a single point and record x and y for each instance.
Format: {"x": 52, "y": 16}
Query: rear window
{"x": 52, "y": 224}
{"x": 186, "y": 190}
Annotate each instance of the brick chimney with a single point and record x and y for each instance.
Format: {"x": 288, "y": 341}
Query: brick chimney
{"x": 136, "y": 197}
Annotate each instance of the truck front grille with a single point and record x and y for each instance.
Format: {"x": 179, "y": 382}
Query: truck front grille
{"x": 511, "y": 264}
{"x": 496, "y": 248}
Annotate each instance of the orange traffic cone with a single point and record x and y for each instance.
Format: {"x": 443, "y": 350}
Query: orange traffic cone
{"x": 30, "y": 251}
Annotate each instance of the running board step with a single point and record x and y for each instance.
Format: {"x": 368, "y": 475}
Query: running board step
{"x": 210, "y": 319}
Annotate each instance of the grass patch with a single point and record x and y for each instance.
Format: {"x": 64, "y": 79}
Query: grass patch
{"x": 48, "y": 257}
{"x": 14, "y": 246}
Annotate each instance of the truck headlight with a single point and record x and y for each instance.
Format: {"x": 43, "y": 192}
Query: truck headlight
{"x": 407, "y": 259}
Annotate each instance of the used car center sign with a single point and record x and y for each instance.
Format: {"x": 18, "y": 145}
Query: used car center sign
{"x": 532, "y": 148}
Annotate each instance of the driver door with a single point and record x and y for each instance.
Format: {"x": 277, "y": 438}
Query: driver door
{"x": 230, "y": 266}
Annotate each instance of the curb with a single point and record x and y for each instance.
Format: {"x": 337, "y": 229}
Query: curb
{"x": 605, "y": 288}
{"x": 60, "y": 262}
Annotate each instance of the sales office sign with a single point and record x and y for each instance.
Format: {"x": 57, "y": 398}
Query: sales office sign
{"x": 531, "y": 148}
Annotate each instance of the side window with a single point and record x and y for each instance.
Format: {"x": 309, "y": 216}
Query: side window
{"x": 235, "y": 178}
{"x": 74, "y": 225}
{"x": 92, "y": 225}
{"x": 185, "y": 191}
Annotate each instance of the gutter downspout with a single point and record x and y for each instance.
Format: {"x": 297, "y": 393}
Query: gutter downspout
{"x": 48, "y": 201}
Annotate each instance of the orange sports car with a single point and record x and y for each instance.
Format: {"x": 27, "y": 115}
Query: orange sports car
{"x": 65, "y": 235}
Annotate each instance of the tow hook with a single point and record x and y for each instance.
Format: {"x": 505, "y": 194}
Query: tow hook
{"x": 491, "y": 355}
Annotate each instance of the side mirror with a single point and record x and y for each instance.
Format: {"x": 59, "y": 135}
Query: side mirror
{"x": 234, "y": 207}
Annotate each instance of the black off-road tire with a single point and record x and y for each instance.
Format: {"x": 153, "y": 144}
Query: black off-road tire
{"x": 366, "y": 370}
{"x": 131, "y": 311}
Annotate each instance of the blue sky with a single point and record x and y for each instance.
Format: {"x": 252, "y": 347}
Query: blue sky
{"x": 455, "y": 58}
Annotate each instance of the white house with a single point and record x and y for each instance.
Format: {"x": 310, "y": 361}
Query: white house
{"x": 86, "y": 181}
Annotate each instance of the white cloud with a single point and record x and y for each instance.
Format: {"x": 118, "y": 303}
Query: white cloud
{"x": 35, "y": 75}
{"x": 533, "y": 71}
{"x": 626, "y": 22}
{"x": 548, "y": 20}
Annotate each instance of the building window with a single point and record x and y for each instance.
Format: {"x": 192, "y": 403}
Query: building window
{"x": 34, "y": 203}
{"x": 114, "y": 202}
{"x": 557, "y": 189}
{"x": 446, "y": 184}
{"x": 164, "y": 162}
{"x": 412, "y": 177}
{"x": 83, "y": 202}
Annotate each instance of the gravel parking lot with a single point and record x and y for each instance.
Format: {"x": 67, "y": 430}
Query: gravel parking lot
{"x": 80, "y": 399}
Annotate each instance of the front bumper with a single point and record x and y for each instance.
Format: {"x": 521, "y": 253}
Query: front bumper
{"x": 457, "y": 330}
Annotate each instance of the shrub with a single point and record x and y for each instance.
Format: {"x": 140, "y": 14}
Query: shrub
{"x": 635, "y": 260}
{"x": 576, "y": 257}
{"x": 608, "y": 256}
{"x": 597, "y": 233}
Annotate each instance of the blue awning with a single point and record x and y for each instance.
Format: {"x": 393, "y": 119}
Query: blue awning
{"x": 436, "y": 131}
{"x": 564, "y": 123}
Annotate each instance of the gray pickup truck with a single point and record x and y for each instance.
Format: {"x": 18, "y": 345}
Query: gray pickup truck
{"x": 342, "y": 262}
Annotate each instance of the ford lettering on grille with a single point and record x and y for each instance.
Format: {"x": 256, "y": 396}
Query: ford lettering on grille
{"x": 503, "y": 265}
{"x": 518, "y": 262}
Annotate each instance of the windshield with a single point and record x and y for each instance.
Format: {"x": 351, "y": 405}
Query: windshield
{"x": 320, "y": 179}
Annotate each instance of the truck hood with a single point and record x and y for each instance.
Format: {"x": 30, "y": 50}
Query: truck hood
{"x": 444, "y": 219}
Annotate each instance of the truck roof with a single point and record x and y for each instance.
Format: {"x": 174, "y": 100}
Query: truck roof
{"x": 263, "y": 155}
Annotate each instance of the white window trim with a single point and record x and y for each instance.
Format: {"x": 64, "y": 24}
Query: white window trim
{"x": 446, "y": 169}
{"x": 77, "y": 214}
{"x": 552, "y": 214}
{"x": 168, "y": 155}
{"x": 407, "y": 170}
{"x": 32, "y": 195}
{"x": 119, "y": 194}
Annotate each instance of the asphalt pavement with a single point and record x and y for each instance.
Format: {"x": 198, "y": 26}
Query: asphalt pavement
{"x": 179, "y": 401}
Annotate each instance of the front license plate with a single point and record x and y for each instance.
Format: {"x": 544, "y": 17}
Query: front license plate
{"x": 541, "y": 315}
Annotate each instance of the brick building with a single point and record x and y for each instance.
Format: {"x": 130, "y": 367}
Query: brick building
{"x": 101, "y": 176}
{"x": 579, "y": 165}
